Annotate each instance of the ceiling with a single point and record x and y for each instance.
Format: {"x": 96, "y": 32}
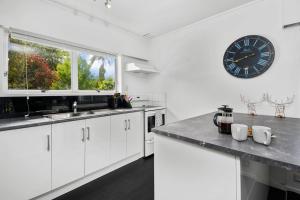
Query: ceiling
{"x": 152, "y": 17}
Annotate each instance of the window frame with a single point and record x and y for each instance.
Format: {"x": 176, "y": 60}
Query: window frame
{"x": 74, "y": 50}
{"x": 95, "y": 53}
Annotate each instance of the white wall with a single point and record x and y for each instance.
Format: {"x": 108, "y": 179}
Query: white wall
{"x": 42, "y": 17}
{"x": 190, "y": 59}
{"x": 191, "y": 62}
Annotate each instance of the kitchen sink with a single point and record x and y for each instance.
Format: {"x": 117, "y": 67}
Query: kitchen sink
{"x": 69, "y": 115}
{"x": 122, "y": 110}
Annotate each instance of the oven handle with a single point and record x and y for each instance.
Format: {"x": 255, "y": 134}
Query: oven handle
{"x": 150, "y": 113}
{"x": 149, "y": 141}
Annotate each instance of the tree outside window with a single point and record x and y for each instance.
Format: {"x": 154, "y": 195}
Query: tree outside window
{"x": 37, "y": 67}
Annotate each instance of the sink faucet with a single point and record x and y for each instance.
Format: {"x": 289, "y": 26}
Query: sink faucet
{"x": 75, "y": 107}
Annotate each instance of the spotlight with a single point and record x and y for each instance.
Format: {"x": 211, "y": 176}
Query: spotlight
{"x": 107, "y": 3}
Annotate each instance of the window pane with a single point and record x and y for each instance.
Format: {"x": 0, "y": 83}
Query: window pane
{"x": 96, "y": 72}
{"x": 44, "y": 67}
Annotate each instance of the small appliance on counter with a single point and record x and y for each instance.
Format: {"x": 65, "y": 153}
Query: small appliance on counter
{"x": 223, "y": 119}
{"x": 119, "y": 101}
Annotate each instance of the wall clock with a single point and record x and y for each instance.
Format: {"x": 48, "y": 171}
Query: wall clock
{"x": 249, "y": 56}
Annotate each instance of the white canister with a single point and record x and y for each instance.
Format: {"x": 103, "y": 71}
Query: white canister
{"x": 262, "y": 134}
{"x": 239, "y": 132}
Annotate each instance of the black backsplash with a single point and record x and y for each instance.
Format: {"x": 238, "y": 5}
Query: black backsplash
{"x": 17, "y": 106}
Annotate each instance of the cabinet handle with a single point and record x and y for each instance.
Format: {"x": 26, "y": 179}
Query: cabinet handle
{"x": 48, "y": 142}
{"x": 88, "y": 133}
{"x": 125, "y": 125}
{"x": 128, "y": 124}
{"x": 83, "y": 135}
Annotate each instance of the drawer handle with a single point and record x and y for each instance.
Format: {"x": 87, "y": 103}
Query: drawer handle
{"x": 83, "y": 135}
{"x": 88, "y": 133}
{"x": 48, "y": 142}
{"x": 128, "y": 124}
{"x": 125, "y": 122}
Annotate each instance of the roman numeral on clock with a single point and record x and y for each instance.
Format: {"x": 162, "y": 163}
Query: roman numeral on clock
{"x": 263, "y": 46}
{"x": 255, "y": 43}
{"x": 265, "y": 54}
{"x": 256, "y": 69}
{"x": 262, "y": 62}
{"x": 237, "y": 71}
{"x": 231, "y": 66}
{"x": 238, "y": 46}
{"x": 247, "y": 42}
{"x": 246, "y": 71}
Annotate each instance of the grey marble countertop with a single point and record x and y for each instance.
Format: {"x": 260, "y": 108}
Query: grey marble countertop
{"x": 284, "y": 151}
{"x": 17, "y": 123}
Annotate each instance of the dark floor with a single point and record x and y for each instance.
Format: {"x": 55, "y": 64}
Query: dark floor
{"x": 132, "y": 182}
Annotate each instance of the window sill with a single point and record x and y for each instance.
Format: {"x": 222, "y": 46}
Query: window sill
{"x": 22, "y": 93}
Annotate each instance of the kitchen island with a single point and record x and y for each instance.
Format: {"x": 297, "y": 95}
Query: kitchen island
{"x": 194, "y": 161}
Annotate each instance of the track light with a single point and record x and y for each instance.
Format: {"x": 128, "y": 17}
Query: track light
{"x": 107, "y": 3}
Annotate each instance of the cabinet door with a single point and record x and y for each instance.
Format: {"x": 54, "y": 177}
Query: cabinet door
{"x": 97, "y": 144}
{"x": 135, "y": 133}
{"x": 118, "y": 137}
{"x": 203, "y": 173}
{"x": 25, "y": 162}
{"x": 68, "y": 145}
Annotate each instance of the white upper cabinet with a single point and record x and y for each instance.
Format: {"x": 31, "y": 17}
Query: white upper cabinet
{"x": 118, "y": 137}
{"x": 68, "y": 146}
{"x": 134, "y": 133}
{"x": 97, "y": 144}
{"x": 291, "y": 13}
{"x": 25, "y": 162}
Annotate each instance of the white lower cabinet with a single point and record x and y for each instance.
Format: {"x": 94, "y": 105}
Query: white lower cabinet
{"x": 118, "y": 137}
{"x": 135, "y": 133}
{"x": 25, "y": 162}
{"x": 126, "y": 135}
{"x": 36, "y": 160}
{"x": 68, "y": 147}
{"x": 97, "y": 144}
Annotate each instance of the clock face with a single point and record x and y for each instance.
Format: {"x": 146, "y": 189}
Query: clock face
{"x": 249, "y": 56}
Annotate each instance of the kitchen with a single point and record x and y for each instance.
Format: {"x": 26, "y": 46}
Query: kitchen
{"x": 144, "y": 59}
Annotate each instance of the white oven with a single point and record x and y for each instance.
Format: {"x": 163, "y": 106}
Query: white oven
{"x": 154, "y": 117}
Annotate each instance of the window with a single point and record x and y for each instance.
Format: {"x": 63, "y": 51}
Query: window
{"x": 35, "y": 66}
{"x": 96, "y": 72}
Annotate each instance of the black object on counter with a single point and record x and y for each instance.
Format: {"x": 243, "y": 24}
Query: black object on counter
{"x": 119, "y": 101}
{"x": 223, "y": 119}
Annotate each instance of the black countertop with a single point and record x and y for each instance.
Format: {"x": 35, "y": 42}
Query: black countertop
{"x": 284, "y": 151}
{"x": 17, "y": 123}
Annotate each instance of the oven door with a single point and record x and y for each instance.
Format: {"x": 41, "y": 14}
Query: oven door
{"x": 149, "y": 135}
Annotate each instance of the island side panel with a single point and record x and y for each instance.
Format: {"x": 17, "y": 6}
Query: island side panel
{"x": 186, "y": 171}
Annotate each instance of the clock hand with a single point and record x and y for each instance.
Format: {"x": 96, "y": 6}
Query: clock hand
{"x": 243, "y": 58}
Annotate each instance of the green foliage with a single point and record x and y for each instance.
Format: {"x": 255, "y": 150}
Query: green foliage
{"x": 45, "y": 67}
{"x": 108, "y": 84}
{"x": 63, "y": 73}
{"x": 86, "y": 81}
{"x": 49, "y": 68}
{"x": 16, "y": 78}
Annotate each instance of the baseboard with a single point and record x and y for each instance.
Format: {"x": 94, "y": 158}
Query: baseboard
{"x": 75, "y": 184}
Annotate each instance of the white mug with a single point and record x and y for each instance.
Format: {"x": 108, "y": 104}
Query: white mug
{"x": 262, "y": 134}
{"x": 239, "y": 132}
